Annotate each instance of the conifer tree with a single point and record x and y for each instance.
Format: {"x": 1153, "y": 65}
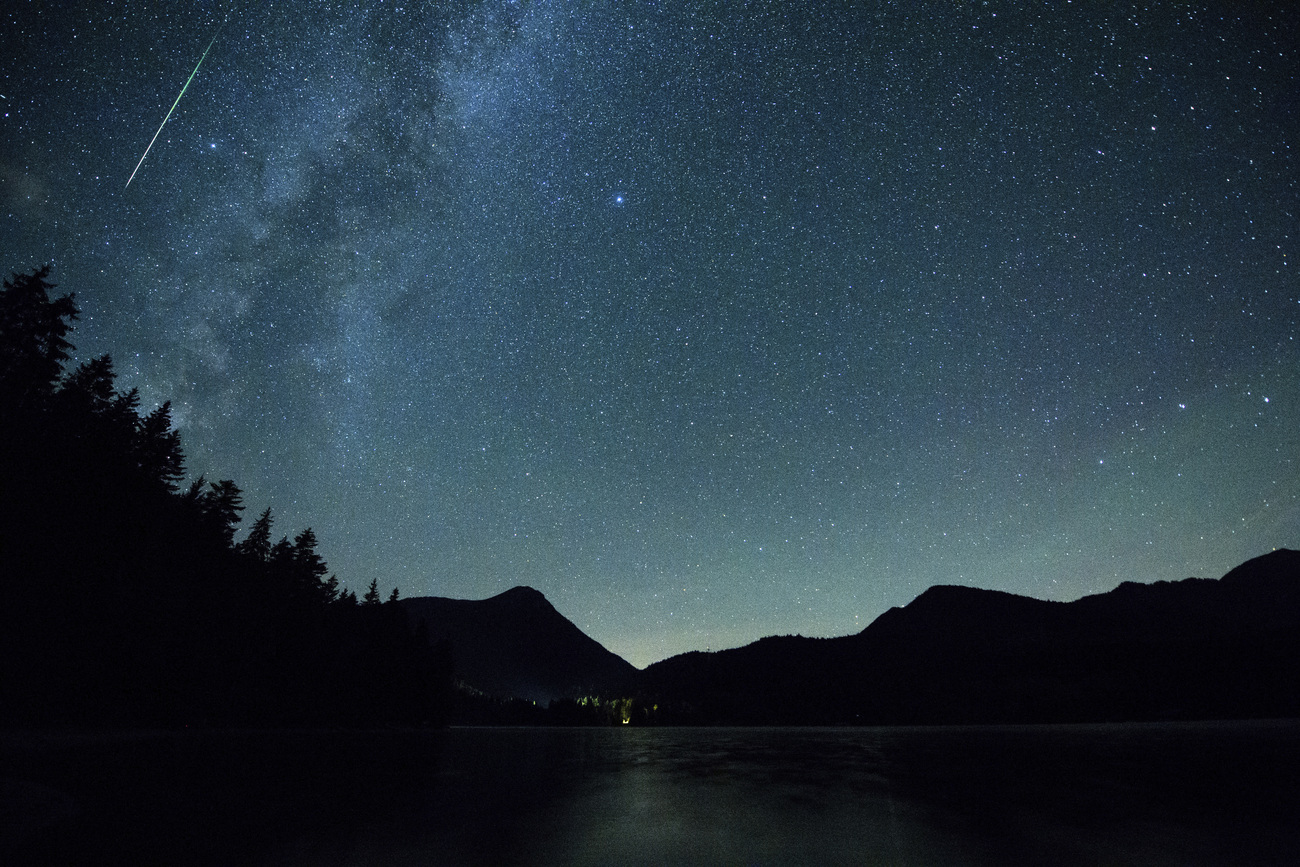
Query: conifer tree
{"x": 88, "y": 389}
{"x": 304, "y": 554}
{"x": 221, "y": 506}
{"x": 33, "y": 337}
{"x": 157, "y": 449}
{"x": 257, "y": 544}
{"x": 282, "y": 555}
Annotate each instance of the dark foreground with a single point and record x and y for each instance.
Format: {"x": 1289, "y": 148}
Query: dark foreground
{"x": 1202, "y": 793}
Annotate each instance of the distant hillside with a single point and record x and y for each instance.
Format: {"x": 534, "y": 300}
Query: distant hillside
{"x": 1192, "y": 649}
{"x": 517, "y": 644}
{"x": 1169, "y": 650}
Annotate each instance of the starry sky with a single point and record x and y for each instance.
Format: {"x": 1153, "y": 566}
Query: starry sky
{"x": 708, "y": 320}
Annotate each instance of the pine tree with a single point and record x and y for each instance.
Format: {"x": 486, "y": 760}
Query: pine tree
{"x": 157, "y": 449}
{"x": 304, "y": 554}
{"x": 281, "y": 557}
{"x": 33, "y": 338}
{"x": 372, "y": 593}
{"x": 101, "y": 422}
{"x": 88, "y": 389}
{"x": 310, "y": 568}
{"x": 257, "y": 544}
{"x": 221, "y": 506}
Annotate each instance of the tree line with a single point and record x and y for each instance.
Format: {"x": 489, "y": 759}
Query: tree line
{"x": 125, "y": 598}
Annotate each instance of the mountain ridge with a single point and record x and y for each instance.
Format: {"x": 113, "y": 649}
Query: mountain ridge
{"x": 516, "y": 644}
{"x": 1165, "y": 650}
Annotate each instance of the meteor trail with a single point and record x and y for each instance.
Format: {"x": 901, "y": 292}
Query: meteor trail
{"x": 174, "y": 104}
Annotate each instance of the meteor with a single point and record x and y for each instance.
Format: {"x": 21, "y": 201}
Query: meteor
{"x": 173, "y": 108}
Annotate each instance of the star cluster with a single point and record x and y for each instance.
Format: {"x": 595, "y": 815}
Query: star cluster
{"x": 708, "y": 321}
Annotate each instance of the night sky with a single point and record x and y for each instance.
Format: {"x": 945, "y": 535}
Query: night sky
{"x": 709, "y": 321}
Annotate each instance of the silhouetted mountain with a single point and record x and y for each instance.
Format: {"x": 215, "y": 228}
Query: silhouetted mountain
{"x": 1192, "y": 649}
{"x": 1169, "y": 650}
{"x": 517, "y": 644}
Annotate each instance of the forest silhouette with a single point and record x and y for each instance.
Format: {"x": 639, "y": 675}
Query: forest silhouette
{"x": 127, "y": 600}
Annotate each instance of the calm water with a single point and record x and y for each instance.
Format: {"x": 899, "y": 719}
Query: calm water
{"x": 1157, "y": 794}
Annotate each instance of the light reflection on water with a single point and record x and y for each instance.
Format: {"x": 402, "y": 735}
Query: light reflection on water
{"x": 1209, "y": 793}
{"x": 1201, "y": 793}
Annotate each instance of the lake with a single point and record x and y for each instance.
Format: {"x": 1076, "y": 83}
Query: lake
{"x": 1196, "y": 793}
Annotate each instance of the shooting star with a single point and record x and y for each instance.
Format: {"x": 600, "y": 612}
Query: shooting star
{"x": 174, "y": 104}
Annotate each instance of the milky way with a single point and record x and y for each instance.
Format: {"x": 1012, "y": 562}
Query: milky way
{"x": 708, "y": 321}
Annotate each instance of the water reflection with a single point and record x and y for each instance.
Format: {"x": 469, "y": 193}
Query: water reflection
{"x": 1093, "y": 794}
{"x": 1197, "y": 793}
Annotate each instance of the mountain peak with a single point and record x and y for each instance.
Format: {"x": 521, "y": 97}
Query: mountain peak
{"x": 522, "y": 598}
{"x": 517, "y": 644}
{"x": 1281, "y": 563}
{"x": 522, "y": 591}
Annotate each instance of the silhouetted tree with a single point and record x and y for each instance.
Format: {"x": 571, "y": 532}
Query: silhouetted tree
{"x": 310, "y": 568}
{"x": 96, "y": 426}
{"x": 217, "y": 507}
{"x": 158, "y": 454}
{"x": 222, "y": 506}
{"x": 33, "y": 337}
{"x": 372, "y": 593}
{"x": 281, "y": 557}
{"x": 88, "y": 389}
{"x": 257, "y": 544}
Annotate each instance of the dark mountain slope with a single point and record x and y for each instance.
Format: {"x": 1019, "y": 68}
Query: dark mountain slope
{"x": 1184, "y": 649}
{"x": 1170, "y": 650}
{"x": 517, "y": 644}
